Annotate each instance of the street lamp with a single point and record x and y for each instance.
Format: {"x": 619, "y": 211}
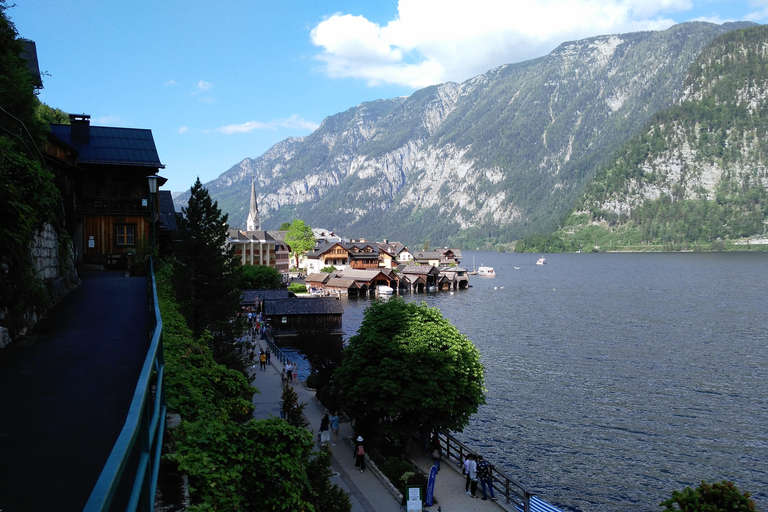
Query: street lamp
{"x": 153, "y": 180}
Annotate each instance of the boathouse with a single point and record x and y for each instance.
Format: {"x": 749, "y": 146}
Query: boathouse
{"x": 303, "y": 316}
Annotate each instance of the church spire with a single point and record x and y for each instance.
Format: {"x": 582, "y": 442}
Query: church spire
{"x": 253, "y": 223}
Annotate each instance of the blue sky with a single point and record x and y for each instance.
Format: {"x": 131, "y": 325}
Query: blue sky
{"x": 218, "y": 82}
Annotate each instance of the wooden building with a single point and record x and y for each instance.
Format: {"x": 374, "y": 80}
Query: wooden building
{"x": 104, "y": 176}
{"x": 303, "y": 316}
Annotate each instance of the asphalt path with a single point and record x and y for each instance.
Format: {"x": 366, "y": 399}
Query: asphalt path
{"x": 65, "y": 391}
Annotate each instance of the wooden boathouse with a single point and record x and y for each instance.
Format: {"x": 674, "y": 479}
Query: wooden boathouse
{"x": 304, "y": 316}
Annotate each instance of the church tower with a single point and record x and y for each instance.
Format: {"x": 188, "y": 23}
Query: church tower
{"x": 253, "y": 223}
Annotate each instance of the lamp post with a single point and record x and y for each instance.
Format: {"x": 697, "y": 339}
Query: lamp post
{"x": 152, "y": 180}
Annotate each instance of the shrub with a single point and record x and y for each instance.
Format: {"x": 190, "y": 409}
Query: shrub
{"x": 297, "y": 288}
{"x": 710, "y": 498}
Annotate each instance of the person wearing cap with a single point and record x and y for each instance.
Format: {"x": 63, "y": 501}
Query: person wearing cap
{"x": 359, "y": 454}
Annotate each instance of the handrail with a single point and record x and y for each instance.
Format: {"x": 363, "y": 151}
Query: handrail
{"x": 513, "y": 491}
{"x": 142, "y": 435}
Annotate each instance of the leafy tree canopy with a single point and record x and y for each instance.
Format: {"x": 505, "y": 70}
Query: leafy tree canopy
{"x": 285, "y": 226}
{"x": 259, "y": 277}
{"x": 716, "y": 497}
{"x": 408, "y": 369}
{"x": 300, "y": 238}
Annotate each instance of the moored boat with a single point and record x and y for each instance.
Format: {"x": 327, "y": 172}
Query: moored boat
{"x": 541, "y": 261}
{"x": 485, "y": 271}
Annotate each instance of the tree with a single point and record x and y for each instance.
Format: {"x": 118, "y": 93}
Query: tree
{"x": 28, "y": 196}
{"x": 408, "y": 369}
{"x": 715, "y": 497}
{"x": 205, "y": 276}
{"x": 259, "y": 277}
{"x": 285, "y": 226}
{"x": 300, "y": 239}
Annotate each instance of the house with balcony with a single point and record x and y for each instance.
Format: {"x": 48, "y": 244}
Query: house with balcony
{"x": 108, "y": 178}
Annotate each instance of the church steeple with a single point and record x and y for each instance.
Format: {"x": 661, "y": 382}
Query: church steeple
{"x": 253, "y": 223}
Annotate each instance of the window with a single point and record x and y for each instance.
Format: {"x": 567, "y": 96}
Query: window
{"x": 126, "y": 234}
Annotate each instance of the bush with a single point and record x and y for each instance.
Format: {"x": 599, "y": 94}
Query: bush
{"x": 311, "y": 381}
{"x": 710, "y": 498}
{"x": 297, "y": 288}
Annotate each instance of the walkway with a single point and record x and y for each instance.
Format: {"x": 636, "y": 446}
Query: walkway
{"x": 368, "y": 494}
{"x": 65, "y": 393}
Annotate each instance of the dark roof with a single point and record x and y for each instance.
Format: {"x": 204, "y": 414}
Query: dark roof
{"x": 114, "y": 146}
{"x": 419, "y": 269}
{"x": 338, "y": 282}
{"x": 304, "y": 306}
{"x": 167, "y": 210}
{"x": 29, "y": 54}
{"x": 250, "y": 296}
{"x": 238, "y": 234}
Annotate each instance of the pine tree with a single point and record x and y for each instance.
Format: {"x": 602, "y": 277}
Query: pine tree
{"x": 205, "y": 276}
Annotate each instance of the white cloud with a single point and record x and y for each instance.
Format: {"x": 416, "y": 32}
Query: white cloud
{"x": 294, "y": 122}
{"x": 171, "y": 83}
{"x": 434, "y": 41}
{"x": 183, "y": 129}
{"x": 203, "y": 86}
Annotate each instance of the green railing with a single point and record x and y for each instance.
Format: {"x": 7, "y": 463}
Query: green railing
{"x": 141, "y": 441}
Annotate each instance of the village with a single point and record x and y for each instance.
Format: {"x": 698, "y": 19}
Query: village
{"x": 339, "y": 266}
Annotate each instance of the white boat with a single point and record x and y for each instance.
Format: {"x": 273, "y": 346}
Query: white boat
{"x": 485, "y": 271}
{"x": 383, "y": 289}
{"x": 541, "y": 261}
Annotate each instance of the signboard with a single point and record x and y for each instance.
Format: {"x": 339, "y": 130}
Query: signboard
{"x": 91, "y": 242}
{"x": 413, "y": 503}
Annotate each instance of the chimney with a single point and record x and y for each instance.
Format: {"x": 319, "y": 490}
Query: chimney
{"x": 80, "y": 129}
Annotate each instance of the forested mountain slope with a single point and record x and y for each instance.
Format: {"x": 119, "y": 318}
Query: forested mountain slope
{"x": 492, "y": 159}
{"x": 697, "y": 173}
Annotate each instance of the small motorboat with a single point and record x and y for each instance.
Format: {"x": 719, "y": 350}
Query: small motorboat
{"x": 383, "y": 289}
{"x": 485, "y": 271}
{"x": 541, "y": 261}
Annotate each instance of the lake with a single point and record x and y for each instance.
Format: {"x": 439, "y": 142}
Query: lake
{"x": 614, "y": 379}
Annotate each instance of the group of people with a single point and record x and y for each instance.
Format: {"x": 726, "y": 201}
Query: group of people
{"x": 290, "y": 373}
{"x": 479, "y": 470}
{"x": 257, "y": 323}
{"x": 329, "y": 425}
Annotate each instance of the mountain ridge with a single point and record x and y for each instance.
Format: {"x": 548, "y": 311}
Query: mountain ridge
{"x": 491, "y": 159}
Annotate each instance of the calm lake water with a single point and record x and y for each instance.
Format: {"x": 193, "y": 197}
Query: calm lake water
{"x": 614, "y": 379}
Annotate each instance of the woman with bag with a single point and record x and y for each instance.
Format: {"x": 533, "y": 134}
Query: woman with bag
{"x": 359, "y": 454}
{"x": 325, "y": 435}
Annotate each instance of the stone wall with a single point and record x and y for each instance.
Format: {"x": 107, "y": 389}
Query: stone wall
{"x": 59, "y": 275}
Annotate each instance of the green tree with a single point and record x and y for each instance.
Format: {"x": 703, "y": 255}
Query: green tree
{"x": 28, "y": 196}
{"x": 300, "y": 239}
{"x": 206, "y": 274}
{"x": 408, "y": 369}
{"x": 285, "y": 226}
{"x": 716, "y": 497}
{"x": 259, "y": 277}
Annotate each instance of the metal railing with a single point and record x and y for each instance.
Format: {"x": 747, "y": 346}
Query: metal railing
{"x": 514, "y": 493}
{"x": 142, "y": 435}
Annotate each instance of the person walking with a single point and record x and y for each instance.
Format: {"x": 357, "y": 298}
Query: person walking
{"x": 335, "y": 428}
{"x": 288, "y": 369}
{"x": 437, "y": 452}
{"x": 263, "y": 361}
{"x": 325, "y": 435}
{"x": 485, "y": 475}
{"x": 359, "y": 454}
{"x": 295, "y": 373}
{"x": 472, "y": 474}
{"x": 269, "y": 356}
{"x": 467, "y": 460}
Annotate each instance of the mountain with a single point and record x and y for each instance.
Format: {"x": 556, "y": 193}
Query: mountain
{"x": 696, "y": 174}
{"x": 492, "y": 159}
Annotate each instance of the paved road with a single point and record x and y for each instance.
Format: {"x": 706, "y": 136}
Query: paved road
{"x": 64, "y": 394}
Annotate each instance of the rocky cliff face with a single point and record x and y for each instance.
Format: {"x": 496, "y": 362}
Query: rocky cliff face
{"x": 492, "y": 159}
{"x": 710, "y": 146}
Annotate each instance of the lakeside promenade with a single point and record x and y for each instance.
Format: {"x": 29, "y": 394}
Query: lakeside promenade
{"x": 367, "y": 492}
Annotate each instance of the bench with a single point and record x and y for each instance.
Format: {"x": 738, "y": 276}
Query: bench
{"x": 539, "y": 505}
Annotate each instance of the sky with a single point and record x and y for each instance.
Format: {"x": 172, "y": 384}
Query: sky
{"x": 218, "y": 82}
